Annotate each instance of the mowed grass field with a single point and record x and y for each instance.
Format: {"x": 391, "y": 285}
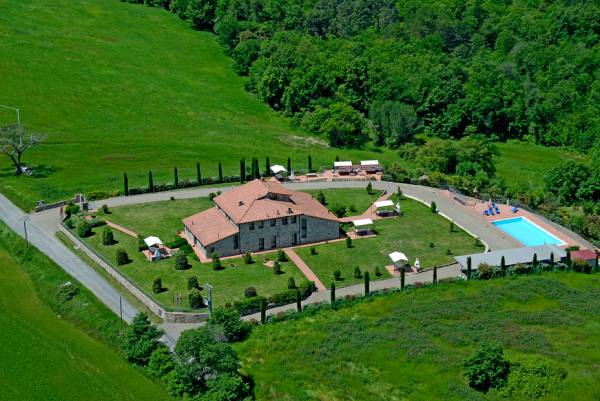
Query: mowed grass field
{"x": 411, "y": 346}
{"x": 412, "y": 233}
{"x": 44, "y": 356}
{"x": 119, "y": 87}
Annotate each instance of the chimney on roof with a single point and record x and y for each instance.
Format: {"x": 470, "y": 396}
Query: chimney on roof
{"x": 241, "y": 203}
{"x": 290, "y": 210}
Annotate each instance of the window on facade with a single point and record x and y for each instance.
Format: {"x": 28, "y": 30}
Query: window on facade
{"x": 273, "y": 222}
{"x": 295, "y": 239}
{"x": 303, "y": 227}
{"x": 274, "y": 242}
{"x": 293, "y": 219}
{"x": 261, "y": 224}
{"x": 284, "y": 221}
{"x": 236, "y": 241}
{"x": 261, "y": 244}
{"x": 252, "y": 226}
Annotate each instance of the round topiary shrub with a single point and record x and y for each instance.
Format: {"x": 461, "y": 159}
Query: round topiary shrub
{"x": 108, "y": 237}
{"x": 250, "y": 292}
{"x": 337, "y": 275}
{"x": 291, "y": 284}
{"x": 277, "y": 268}
{"x": 248, "y": 258}
{"x": 195, "y": 299}
{"x": 181, "y": 261}
{"x": 192, "y": 283}
{"x": 84, "y": 229}
{"x": 313, "y": 250}
{"x": 157, "y": 285}
{"x": 122, "y": 257}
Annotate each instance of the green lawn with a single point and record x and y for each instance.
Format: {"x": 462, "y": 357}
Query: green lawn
{"x": 410, "y": 233}
{"x": 162, "y": 219}
{"x": 524, "y": 165}
{"x": 119, "y": 87}
{"x": 359, "y": 199}
{"x": 229, "y": 284}
{"x": 411, "y": 346}
{"x": 46, "y": 357}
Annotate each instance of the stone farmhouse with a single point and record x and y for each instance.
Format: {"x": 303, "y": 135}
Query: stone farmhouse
{"x": 257, "y": 216}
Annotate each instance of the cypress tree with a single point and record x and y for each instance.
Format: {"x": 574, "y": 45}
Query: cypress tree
{"x": 198, "y": 173}
{"x": 332, "y": 293}
{"x": 253, "y": 169}
{"x": 220, "y": 172}
{"x": 256, "y": 169}
{"x": 503, "y": 263}
{"x": 402, "y": 278}
{"x": 469, "y": 268}
{"x": 552, "y": 260}
{"x": 298, "y": 301}
{"x": 242, "y": 171}
{"x": 535, "y": 260}
{"x": 435, "y": 275}
{"x": 267, "y": 167}
{"x": 366, "y": 283}
{"x": 263, "y": 311}
{"x": 596, "y": 261}
{"x": 150, "y": 182}
{"x": 433, "y": 207}
{"x": 289, "y": 165}
{"x": 176, "y": 176}
{"x": 568, "y": 258}
{"x": 309, "y": 163}
{"x": 451, "y": 226}
{"x": 125, "y": 185}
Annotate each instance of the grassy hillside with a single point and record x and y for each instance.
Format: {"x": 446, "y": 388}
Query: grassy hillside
{"x": 118, "y": 87}
{"x": 44, "y": 356}
{"x": 411, "y": 346}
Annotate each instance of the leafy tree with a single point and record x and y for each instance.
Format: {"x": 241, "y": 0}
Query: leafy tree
{"x": 487, "y": 368}
{"x": 567, "y": 181}
{"x": 161, "y": 362}
{"x": 201, "y": 14}
{"x": 244, "y": 54}
{"x": 234, "y": 328}
{"x": 226, "y": 387}
{"x": 395, "y": 123}
{"x": 141, "y": 340}
{"x": 344, "y": 126}
{"x": 15, "y": 141}
{"x": 202, "y": 355}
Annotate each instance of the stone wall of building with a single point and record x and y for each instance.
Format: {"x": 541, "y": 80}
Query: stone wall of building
{"x": 284, "y": 234}
{"x": 320, "y": 230}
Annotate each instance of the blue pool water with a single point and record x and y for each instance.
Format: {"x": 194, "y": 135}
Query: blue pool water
{"x": 526, "y": 232}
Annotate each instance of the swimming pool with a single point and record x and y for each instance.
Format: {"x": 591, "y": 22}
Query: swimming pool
{"x": 526, "y": 232}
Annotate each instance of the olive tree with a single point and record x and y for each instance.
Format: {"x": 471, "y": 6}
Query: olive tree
{"x": 15, "y": 141}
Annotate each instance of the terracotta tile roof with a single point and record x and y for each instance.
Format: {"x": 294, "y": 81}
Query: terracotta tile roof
{"x": 585, "y": 254}
{"x": 262, "y": 200}
{"x": 210, "y": 226}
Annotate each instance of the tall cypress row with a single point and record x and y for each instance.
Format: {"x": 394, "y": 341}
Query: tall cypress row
{"x": 220, "y": 172}
{"x": 267, "y": 167}
{"x": 263, "y": 311}
{"x": 150, "y": 182}
{"x": 198, "y": 173}
{"x": 242, "y": 171}
{"x": 125, "y": 185}
{"x": 298, "y": 301}
{"x": 176, "y": 177}
{"x": 469, "y": 268}
{"x": 402, "y": 278}
{"x": 332, "y": 293}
